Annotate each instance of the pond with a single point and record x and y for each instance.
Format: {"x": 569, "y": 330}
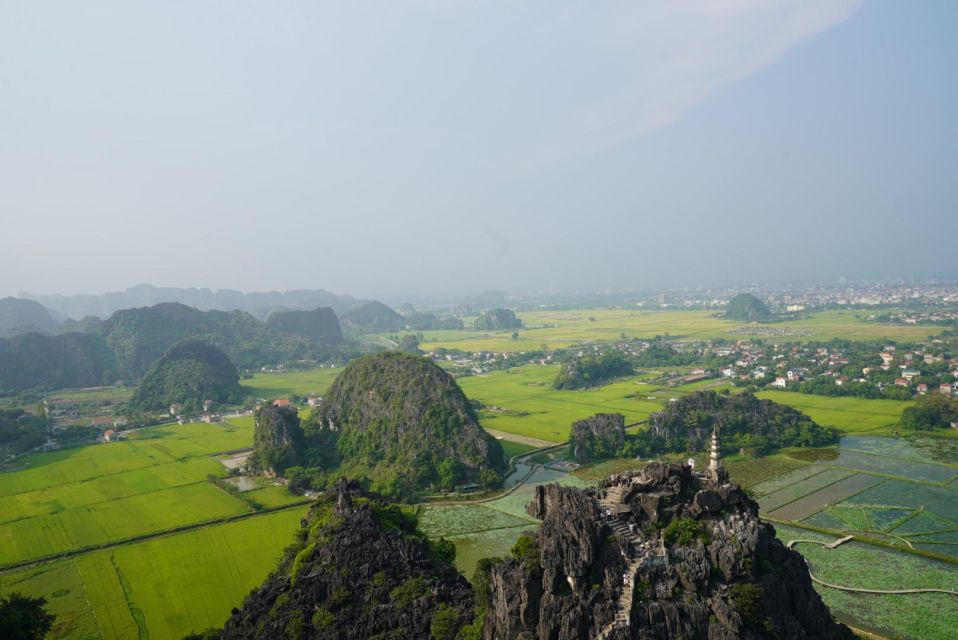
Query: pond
{"x": 244, "y": 483}
{"x": 924, "y": 459}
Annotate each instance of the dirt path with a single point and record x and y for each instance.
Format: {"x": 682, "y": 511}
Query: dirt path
{"x": 533, "y": 442}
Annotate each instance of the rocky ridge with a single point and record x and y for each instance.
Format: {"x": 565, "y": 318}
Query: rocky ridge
{"x": 654, "y": 554}
{"x": 358, "y": 569}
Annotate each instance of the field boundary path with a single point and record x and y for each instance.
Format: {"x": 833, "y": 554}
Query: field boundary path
{"x": 513, "y": 437}
{"x": 831, "y": 545}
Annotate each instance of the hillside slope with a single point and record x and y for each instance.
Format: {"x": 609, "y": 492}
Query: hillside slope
{"x": 319, "y": 325}
{"x": 188, "y": 373}
{"x": 139, "y": 337}
{"x": 35, "y": 361}
{"x": 359, "y": 569}
{"x": 403, "y": 422}
{"x": 19, "y": 316}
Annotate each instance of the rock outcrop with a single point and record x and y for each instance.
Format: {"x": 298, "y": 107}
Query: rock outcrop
{"x": 359, "y": 569}
{"x": 319, "y": 325}
{"x": 404, "y": 423}
{"x": 657, "y": 554}
{"x": 599, "y": 436}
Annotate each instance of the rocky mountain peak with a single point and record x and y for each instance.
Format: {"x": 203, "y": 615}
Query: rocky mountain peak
{"x": 659, "y": 553}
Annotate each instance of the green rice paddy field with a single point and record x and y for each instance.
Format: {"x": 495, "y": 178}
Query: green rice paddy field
{"x": 157, "y": 480}
{"x": 525, "y": 403}
{"x": 277, "y": 385}
{"x": 558, "y": 329}
{"x": 160, "y": 587}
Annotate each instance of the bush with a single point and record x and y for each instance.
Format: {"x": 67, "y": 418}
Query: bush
{"x": 682, "y": 531}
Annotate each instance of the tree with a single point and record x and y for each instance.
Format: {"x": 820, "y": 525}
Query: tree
{"x": 24, "y": 618}
{"x": 515, "y": 335}
{"x": 409, "y": 344}
{"x": 449, "y": 472}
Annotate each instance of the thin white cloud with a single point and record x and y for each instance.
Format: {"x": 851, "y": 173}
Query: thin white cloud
{"x": 670, "y": 56}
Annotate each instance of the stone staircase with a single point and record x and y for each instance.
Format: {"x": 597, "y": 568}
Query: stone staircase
{"x": 641, "y": 552}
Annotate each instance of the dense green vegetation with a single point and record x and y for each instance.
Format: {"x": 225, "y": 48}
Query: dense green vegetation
{"x": 661, "y": 354}
{"x": 747, "y": 308}
{"x": 497, "y": 320}
{"x": 35, "y": 361}
{"x": 745, "y": 422}
{"x": 19, "y": 316}
{"x": 593, "y": 369}
{"x": 319, "y": 325}
{"x": 933, "y": 411}
{"x": 278, "y": 439}
{"x": 600, "y": 436}
{"x": 23, "y": 617}
{"x": 189, "y": 373}
{"x": 139, "y": 337}
{"x": 20, "y": 431}
{"x": 403, "y": 424}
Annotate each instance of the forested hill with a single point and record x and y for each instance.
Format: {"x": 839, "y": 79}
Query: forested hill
{"x": 744, "y": 421}
{"x": 189, "y": 373}
{"x": 35, "y": 361}
{"x": 19, "y": 316}
{"x": 320, "y": 325}
{"x": 139, "y": 337}
{"x": 371, "y": 317}
{"x": 398, "y": 420}
{"x": 124, "y": 346}
{"x": 260, "y": 304}
{"x": 748, "y": 308}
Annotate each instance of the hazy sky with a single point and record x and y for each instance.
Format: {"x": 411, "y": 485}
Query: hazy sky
{"x": 451, "y": 146}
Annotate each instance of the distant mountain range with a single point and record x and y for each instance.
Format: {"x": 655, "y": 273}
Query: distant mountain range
{"x": 18, "y": 316}
{"x": 259, "y": 304}
{"x": 126, "y": 344}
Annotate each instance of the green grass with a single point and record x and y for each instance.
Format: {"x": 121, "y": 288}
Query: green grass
{"x": 155, "y": 481}
{"x": 113, "y": 520}
{"x": 531, "y": 407}
{"x": 848, "y": 414}
{"x": 510, "y": 448}
{"x": 180, "y": 583}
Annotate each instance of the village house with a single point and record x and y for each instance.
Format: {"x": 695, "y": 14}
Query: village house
{"x": 779, "y": 383}
{"x": 902, "y": 382}
{"x": 945, "y": 389}
{"x": 176, "y": 409}
{"x": 923, "y": 388}
{"x": 314, "y": 400}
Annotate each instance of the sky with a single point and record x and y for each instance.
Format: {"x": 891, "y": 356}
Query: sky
{"x": 445, "y": 147}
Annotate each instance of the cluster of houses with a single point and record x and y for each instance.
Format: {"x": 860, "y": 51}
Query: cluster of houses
{"x": 783, "y": 367}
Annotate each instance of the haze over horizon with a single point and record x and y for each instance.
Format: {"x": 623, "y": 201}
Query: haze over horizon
{"x": 446, "y": 148}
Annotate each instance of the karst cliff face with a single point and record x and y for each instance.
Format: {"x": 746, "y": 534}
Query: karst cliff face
{"x": 359, "y": 569}
{"x": 658, "y": 554}
{"x": 654, "y": 554}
